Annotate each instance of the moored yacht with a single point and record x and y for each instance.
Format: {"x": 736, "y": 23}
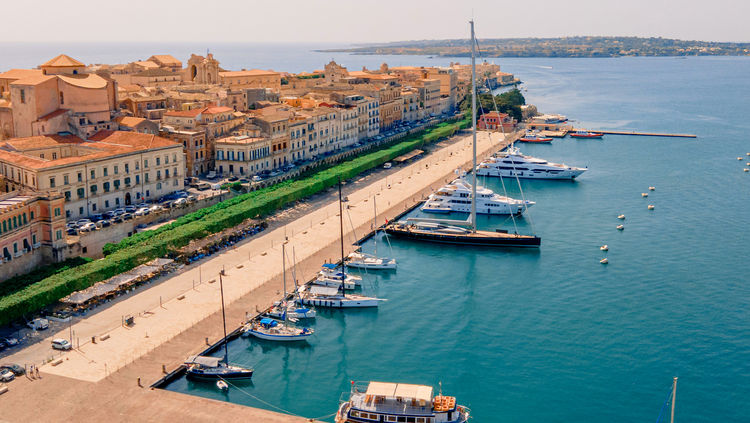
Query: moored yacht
{"x": 323, "y": 296}
{"x": 534, "y": 137}
{"x": 362, "y": 260}
{"x": 399, "y": 402}
{"x": 456, "y": 197}
{"x": 512, "y": 163}
{"x": 272, "y": 330}
{"x": 213, "y": 368}
{"x": 330, "y": 276}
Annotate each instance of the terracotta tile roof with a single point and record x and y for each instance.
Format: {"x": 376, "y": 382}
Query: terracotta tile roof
{"x": 56, "y": 113}
{"x": 128, "y": 88}
{"x": 147, "y": 64}
{"x": 20, "y": 73}
{"x": 165, "y": 59}
{"x": 62, "y": 61}
{"x": 102, "y": 145}
{"x": 186, "y": 113}
{"x": 252, "y": 72}
{"x": 129, "y": 121}
{"x": 33, "y": 80}
{"x": 217, "y": 109}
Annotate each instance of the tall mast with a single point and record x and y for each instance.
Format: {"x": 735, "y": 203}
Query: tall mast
{"x": 341, "y": 229}
{"x": 283, "y": 273}
{"x": 224, "y": 321}
{"x": 473, "y": 132}
{"x": 375, "y": 223}
{"x": 674, "y": 397}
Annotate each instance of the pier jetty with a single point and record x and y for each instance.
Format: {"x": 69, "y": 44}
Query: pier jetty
{"x": 642, "y": 134}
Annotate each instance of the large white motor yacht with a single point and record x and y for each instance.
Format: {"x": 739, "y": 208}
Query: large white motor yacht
{"x": 512, "y": 163}
{"x": 456, "y": 197}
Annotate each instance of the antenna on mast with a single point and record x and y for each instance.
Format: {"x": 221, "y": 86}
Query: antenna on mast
{"x": 473, "y": 131}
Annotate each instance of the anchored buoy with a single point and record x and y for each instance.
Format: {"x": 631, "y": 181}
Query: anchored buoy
{"x": 604, "y": 261}
{"x": 621, "y": 217}
{"x": 604, "y": 247}
{"x": 620, "y": 227}
{"x": 746, "y": 170}
{"x": 651, "y": 188}
{"x": 644, "y": 194}
{"x": 650, "y": 206}
{"x": 222, "y": 385}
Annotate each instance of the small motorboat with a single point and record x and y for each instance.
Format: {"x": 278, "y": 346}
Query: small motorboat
{"x": 222, "y": 385}
{"x": 746, "y": 170}
{"x": 586, "y": 134}
{"x": 644, "y": 194}
{"x": 621, "y": 217}
{"x": 535, "y": 138}
{"x": 291, "y": 310}
{"x": 650, "y": 206}
{"x": 620, "y": 227}
{"x": 604, "y": 261}
{"x": 740, "y": 158}
{"x": 604, "y": 247}
{"x": 651, "y": 188}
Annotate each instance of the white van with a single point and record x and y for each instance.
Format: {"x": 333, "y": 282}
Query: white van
{"x": 39, "y": 324}
{"x": 61, "y": 344}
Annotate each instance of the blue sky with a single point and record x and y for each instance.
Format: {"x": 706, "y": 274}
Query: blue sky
{"x": 355, "y": 21}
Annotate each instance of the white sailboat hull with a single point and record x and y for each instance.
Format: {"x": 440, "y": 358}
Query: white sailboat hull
{"x": 281, "y": 338}
{"x": 340, "y": 302}
{"x": 552, "y": 174}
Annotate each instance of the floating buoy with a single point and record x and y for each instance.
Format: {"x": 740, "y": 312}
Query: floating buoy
{"x": 740, "y": 158}
{"x": 222, "y": 385}
{"x": 644, "y": 194}
{"x": 650, "y": 206}
{"x": 604, "y": 261}
{"x": 620, "y": 227}
{"x": 651, "y": 188}
{"x": 748, "y": 163}
{"x": 622, "y": 216}
{"x": 746, "y": 170}
{"x": 604, "y": 247}
{"x": 748, "y": 154}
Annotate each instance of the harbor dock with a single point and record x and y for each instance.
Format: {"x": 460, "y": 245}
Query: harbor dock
{"x": 642, "y": 134}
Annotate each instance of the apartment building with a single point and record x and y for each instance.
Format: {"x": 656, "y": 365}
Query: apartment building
{"x": 411, "y": 111}
{"x": 254, "y": 78}
{"x": 243, "y": 155}
{"x": 110, "y": 169}
{"x": 274, "y": 125}
{"x": 198, "y": 160}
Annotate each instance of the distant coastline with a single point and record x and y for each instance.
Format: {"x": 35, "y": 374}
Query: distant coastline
{"x": 555, "y": 47}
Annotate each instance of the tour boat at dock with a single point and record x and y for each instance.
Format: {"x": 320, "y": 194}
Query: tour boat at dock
{"x": 586, "y": 134}
{"x": 398, "y": 402}
{"x": 535, "y": 138}
{"x": 511, "y": 164}
{"x": 456, "y": 197}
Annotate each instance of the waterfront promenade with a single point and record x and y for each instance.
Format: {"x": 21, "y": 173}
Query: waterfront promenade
{"x": 166, "y": 331}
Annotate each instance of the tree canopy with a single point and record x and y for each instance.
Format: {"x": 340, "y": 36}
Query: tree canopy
{"x": 509, "y": 102}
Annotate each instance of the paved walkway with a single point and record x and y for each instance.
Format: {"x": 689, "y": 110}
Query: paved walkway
{"x": 163, "y": 335}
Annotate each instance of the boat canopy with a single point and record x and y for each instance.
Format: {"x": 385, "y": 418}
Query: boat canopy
{"x": 327, "y": 291}
{"x": 268, "y": 322}
{"x": 330, "y": 266}
{"x": 203, "y": 360}
{"x": 400, "y": 390}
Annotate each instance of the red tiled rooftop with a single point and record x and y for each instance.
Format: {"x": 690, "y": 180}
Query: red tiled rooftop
{"x": 63, "y": 60}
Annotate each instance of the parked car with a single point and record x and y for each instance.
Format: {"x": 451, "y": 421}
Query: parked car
{"x": 72, "y": 231}
{"x": 6, "y": 375}
{"x": 232, "y": 178}
{"x": 156, "y": 208}
{"x": 387, "y": 165}
{"x": 130, "y": 209}
{"x": 180, "y": 202}
{"x": 142, "y": 212}
{"x": 180, "y": 194}
{"x": 203, "y": 186}
{"x": 88, "y": 227}
{"x": 17, "y": 369}
{"x": 82, "y": 222}
{"x": 108, "y": 215}
{"x": 38, "y": 324}
{"x": 11, "y": 341}
{"x": 244, "y": 180}
{"x": 117, "y": 219}
{"x": 127, "y": 216}
{"x": 3, "y": 345}
{"x": 142, "y": 205}
{"x": 257, "y": 178}
{"x": 104, "y": 223}
{"x": 191, "y": 198}
{"x": 119, "y": 212}
{"x": 61, "y": 344}
{"x": 167, "y": 204}
{"x": 96, "y": 217}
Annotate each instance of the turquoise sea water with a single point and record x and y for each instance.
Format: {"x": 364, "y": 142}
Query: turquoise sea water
{"x": 552, "y": 335}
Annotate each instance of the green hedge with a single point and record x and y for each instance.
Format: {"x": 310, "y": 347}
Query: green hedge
{"x": 144, "y": 246}
{"x": 17, "y": 283}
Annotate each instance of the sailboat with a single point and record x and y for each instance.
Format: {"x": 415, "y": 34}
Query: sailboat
{"x": 456, "y": 231}
{"x": 324, "y": 296}
{"x": 290, "y": 307}
{"x": 212, "y": 368}
{"x": 329, "y": 275}
{"x": 363, "y": 260}
{"x": 273, "y": 330}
